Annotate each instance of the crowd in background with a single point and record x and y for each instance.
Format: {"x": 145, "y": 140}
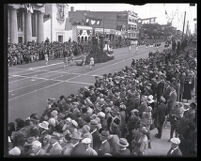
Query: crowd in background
{"x": 23, "y": 53}
{"x": 114, "y": 117}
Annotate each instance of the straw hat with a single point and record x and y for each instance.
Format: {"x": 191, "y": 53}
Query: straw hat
{"x": 175, "y": 141}
{"x": 86, "y": 141}
{"x": 44, "y": 125}
{"x": 123, "y": 142}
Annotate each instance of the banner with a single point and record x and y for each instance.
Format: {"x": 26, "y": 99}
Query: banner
{"x": 92, "y": 21}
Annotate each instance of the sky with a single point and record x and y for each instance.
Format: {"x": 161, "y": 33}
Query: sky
{"x": 175, "y": 10}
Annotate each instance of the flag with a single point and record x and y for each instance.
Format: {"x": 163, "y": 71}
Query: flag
{"x": 29, "y": 7}
{"x": 92, "y": 21}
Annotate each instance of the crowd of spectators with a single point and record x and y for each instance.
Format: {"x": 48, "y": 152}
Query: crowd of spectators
{"x": 114, "y": 116}
{"x": 23, "y": 53}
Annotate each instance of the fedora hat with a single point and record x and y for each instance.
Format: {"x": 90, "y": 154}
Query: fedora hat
{"x": 93, "y": 123}
{"x": 105, "y": 134}
{"x": 123, "y": 142}
{"x": 44, "y": 125}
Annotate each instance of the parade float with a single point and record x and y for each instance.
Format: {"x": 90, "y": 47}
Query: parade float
{"x": 101, "y": 52}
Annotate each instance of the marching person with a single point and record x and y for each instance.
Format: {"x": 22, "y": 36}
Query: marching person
{"x": 91, "y": 63}
{"x": 129, "y": 48}
{"x": 46, "y": 58}
{"x": 65, "y": 53}
{"x": 83, "y": 59}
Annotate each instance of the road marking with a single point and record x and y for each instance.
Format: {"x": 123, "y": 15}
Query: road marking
{"x": 45, "y": 66}
{"x": 16, "y": 75}
{"x": 26, "y": 86}
{"x": 35, "y": 90}
{"x": 57, "y": 71}
{"x": 38, "y": 77}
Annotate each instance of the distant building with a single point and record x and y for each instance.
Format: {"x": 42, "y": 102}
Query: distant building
{"x": 150, "y": 20}
{"x": 56, "y": 23}
{"x": 25, "y": 22}
{"x": 112, "y": 24}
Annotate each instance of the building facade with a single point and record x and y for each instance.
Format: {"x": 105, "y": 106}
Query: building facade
{"x": 112, "y": 24}
{"x": 57, "y": 22}
{"x": 25, "y": 22}
{"x": 150, "y": 20}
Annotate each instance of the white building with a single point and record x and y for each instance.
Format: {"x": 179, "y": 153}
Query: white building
{"x": 55, "y": 26}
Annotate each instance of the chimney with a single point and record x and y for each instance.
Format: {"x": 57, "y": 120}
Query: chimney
{"x": 72, "y": 9}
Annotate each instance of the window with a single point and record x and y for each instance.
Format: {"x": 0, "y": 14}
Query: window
{"x": 19, "y": 21}
{"x": 85, "y": 38}
{"x": 78, "y": 39}
{"x": 82, "y": 39}
{"x": 60, "y": 38}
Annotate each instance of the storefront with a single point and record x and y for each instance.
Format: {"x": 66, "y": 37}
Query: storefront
{"x": 81, "y": 33}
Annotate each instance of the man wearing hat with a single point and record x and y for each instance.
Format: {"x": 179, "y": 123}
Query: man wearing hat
{"x": 160, "y": 113}
{"x": 67, "y": 144}
{"x": 174, "y": 150}
{"x": 37, "y": 148}
{"x": 104, "y": 146}
{"x": 43, "y": 127}
{"x": 95, "y": 134}
{"x": 89, "y": 151}
{"x": 123, "y": 150}
{"x": 113, "y": 141}
{"x": 54, "y": 148}
{"x": 78, "y": 147}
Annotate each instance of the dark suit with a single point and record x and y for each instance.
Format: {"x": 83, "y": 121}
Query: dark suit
{"x": 113, "y": 144}
{"x": 174, "y": 153}
{"x": 125, "y": 152}
{"x": 78, "y": 150}
{"x": 160, "y": 117}
{"x": 104, "y": 148}
{"x": 96, "y": 140}
{"x": 160, "y": 89}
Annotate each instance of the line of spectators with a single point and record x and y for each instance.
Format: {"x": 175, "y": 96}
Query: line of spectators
{"x": 115, "y": 116}
{"x": 30, "y": 52}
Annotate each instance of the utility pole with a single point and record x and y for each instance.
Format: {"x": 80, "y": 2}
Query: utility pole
{"x": 183, "y": 25}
